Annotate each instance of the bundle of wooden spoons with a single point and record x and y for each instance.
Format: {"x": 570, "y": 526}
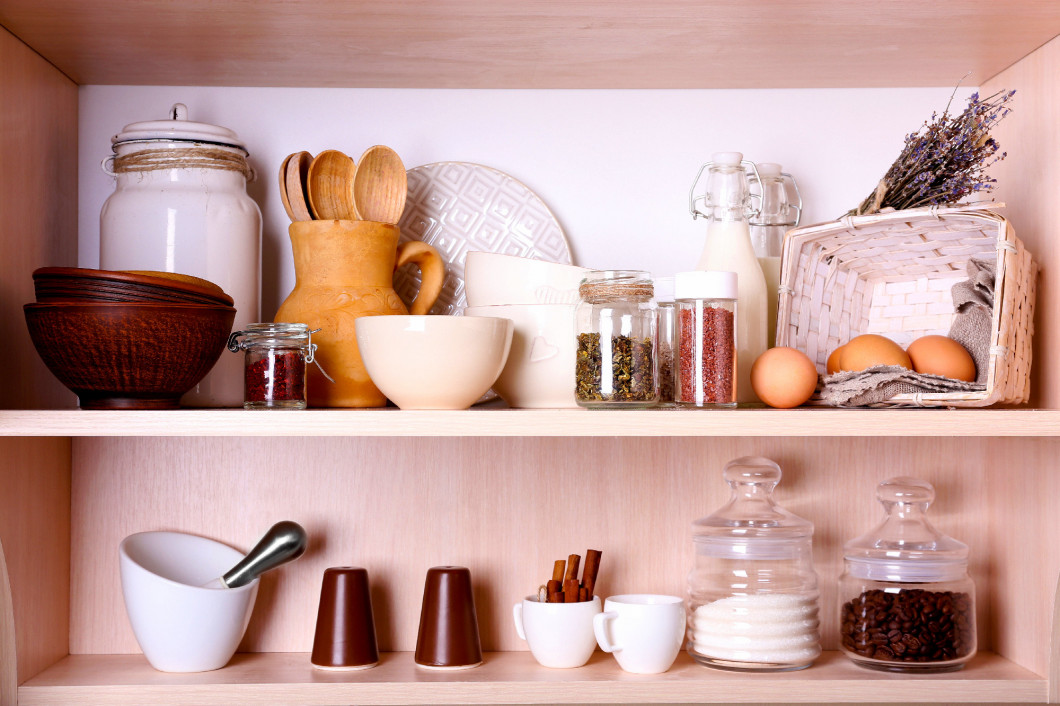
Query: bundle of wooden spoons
{"x": 331, "y": 186}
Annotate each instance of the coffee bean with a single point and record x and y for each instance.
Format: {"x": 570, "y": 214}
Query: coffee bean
{"x": 912, "y": 625}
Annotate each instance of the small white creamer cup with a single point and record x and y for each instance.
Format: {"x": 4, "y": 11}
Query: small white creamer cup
{"x": 644, "y": 631}
{"x": 560, "y": 635}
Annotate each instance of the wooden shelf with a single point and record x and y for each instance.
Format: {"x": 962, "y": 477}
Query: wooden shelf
{"x": 513, "y": 44}
{"x": 513, "y": 677}
{"x": 806, "y": 422}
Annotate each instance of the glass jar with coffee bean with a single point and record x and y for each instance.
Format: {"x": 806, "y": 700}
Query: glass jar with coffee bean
{"x": 907, "y": 603}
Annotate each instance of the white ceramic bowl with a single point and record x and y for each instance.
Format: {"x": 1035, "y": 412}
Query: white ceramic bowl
{"x": 182, "y": 627}
{"x": 540, "y": 369}
{"x": 492, "y": 278}
{"x": 433, "y": 362}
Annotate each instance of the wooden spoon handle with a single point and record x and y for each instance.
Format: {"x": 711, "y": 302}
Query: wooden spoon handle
{"x": 432, "y": 272}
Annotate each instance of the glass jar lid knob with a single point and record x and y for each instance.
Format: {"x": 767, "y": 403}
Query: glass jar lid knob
{"x": 905, "y": 496}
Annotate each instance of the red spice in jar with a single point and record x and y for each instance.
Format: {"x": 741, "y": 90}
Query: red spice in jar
{"x": 706, "y": 356}
{"x": 279, "y": 375}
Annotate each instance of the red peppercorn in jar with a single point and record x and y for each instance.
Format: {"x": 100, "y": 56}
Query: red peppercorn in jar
{"x": 274, "y": 371}
{"x": 706, "y": 338}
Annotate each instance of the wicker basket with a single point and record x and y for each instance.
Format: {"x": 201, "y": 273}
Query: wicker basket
{"x": 891, "y": 274}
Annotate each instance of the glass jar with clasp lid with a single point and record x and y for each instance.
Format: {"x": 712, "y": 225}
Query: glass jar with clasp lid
{"x": 753, "y": 590}
{"x": 616, "y": 327}
{"x": 275, "y": 360}
{"x": 906, "y": 601}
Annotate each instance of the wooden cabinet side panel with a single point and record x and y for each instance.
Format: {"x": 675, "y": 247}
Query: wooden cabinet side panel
{"x": 504, "y": 507}
{"x": 38, "y": 208}
{"x": 35, "y": 531}
{"x": 1028, "y": 182}
{"x": 1023, "y": 491}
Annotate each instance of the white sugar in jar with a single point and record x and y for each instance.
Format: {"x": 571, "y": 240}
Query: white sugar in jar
{"x": 759, "y": 628}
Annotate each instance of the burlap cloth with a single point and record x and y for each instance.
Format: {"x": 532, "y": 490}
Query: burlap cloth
{"x": 973, "y": 302}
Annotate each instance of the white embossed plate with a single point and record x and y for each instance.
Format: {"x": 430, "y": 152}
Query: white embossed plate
{"x": 457, "y": 207}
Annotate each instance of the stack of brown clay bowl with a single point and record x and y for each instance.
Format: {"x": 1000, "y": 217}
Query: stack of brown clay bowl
{"x": 127, "y": 340}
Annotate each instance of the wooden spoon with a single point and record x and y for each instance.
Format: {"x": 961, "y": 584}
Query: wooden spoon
{"x": 283, "y": 189}
{"x": 381, "y": 185}
{"x": 297, "y": 174}
{"x": 331, "y": 177}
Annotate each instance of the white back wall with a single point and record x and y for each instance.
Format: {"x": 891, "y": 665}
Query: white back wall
{"x": 614, "y": 166}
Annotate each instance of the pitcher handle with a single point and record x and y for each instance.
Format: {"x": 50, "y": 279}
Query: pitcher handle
{"x": 432, "y": 272}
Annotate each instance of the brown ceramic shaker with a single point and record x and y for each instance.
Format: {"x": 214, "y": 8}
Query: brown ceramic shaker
{"x": 345, "y": 634}
{"x": 448, "y": 637}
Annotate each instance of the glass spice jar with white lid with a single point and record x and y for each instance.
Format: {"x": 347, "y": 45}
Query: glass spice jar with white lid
{"x": 753, "y": 596}
{"x": 906, "y": 601}
{"x": 706, "y": 338}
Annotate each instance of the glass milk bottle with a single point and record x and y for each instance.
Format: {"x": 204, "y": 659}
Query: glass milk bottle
{"x": 780, "y": 210}
{"x": 726, "y": 206}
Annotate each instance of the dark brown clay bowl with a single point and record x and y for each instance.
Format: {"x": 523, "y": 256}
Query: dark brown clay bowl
{"x": 129, "y": 355}
{"x": 67, "y": 281}
{"x": 72, "y": 292}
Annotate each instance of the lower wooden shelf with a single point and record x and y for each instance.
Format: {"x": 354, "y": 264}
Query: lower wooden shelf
{"x": 512, "y": 678}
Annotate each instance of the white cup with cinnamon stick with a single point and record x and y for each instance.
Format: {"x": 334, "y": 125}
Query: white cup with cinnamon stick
{"x": 560, "y": 635}
{"x": 644, "y": 631}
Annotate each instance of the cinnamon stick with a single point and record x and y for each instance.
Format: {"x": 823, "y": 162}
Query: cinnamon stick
{"x": 555, "y": 597}
{"x": 570, "y": 591}
{"x": 583, "y": 594}
{"x": 558, "y": 570}
{"x": 572, "y": 569}
{"x": 553, "y": 587}
{"x": 592, "y": 568}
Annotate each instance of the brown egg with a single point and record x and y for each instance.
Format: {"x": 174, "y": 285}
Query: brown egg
{"x": 868, "y": 350}
{"x": 832, "y": 366}
{"x": 939, "y": 355}
{"x": 783, "y": 377}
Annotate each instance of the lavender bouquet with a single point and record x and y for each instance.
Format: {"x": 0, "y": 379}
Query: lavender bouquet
{"x": 945, "y": 160}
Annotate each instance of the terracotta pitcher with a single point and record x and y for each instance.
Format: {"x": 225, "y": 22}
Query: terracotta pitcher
{"x": 344, "y": 270}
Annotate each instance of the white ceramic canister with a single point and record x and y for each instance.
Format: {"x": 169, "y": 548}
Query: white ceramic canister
{"x": 180, "y": 205}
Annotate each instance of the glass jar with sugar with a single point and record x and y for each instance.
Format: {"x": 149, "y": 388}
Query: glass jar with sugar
{"x": 753, "y": 590}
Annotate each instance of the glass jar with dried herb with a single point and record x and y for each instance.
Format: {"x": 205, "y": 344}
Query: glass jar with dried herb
{"x": 617, "y": 339}
{"x": 275, "y": 364}
{"x": 665, "y": 353}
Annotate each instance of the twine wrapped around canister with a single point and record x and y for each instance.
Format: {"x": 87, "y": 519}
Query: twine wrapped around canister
{"x": 604, "y": 292}
{"x": 150, "y": 160}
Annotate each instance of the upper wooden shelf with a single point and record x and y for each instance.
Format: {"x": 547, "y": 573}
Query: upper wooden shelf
{"x": 815, "y": 422}
{"x": 516, "y": 44}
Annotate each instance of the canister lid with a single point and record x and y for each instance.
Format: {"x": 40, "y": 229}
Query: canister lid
{"x": 905, "y": 547}
{"x": 664, "y": 289}
{"x": 178, "y": 128}
{"x": 768, "y": 169}
{"x": 706, "y": 284}
{"x": 732, "y": 159}
{"x": 751, "y": 525}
